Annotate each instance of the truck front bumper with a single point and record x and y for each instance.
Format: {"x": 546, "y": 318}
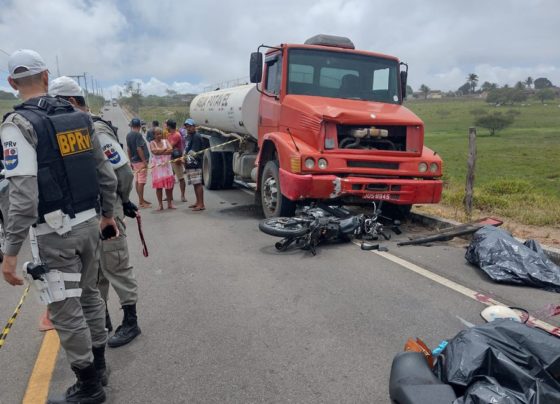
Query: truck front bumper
{"x": 355, "y": 189}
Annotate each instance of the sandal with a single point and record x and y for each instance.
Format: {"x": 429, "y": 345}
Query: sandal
{"x": 196, "y": 209}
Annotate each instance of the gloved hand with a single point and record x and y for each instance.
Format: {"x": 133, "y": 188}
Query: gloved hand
{"x": 130, "y": 209}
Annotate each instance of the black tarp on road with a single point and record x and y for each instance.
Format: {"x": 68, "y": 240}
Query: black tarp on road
{"x": 506, "y": 260}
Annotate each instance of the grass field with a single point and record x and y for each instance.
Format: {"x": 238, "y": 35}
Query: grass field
{"x": 517, "y": 170}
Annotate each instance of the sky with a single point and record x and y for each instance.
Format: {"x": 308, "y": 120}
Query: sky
{"x": 190, "y": 45}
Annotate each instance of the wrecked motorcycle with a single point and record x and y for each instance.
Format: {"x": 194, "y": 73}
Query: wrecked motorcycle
{"x": 319, "y": 224}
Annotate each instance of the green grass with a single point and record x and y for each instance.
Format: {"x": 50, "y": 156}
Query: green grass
{"x": 517, "y": 170}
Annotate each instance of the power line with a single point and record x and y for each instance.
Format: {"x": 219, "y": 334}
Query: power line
{"x": 3, "y": 51}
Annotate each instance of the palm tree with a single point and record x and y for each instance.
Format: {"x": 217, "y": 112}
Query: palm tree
{"x": 472, "y": 79}
{"x": 529, "y": 81}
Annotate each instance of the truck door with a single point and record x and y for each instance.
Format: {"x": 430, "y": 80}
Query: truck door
{"x": 270, "y": 104}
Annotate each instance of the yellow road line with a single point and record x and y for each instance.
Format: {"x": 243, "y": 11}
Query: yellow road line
{"x": 38, "y": 385}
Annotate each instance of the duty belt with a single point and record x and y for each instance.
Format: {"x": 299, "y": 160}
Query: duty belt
{"x": 43, "y": 228}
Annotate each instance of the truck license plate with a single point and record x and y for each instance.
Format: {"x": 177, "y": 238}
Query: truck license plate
{"x": 381, "y": 196}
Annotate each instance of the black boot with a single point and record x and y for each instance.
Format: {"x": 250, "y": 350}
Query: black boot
{"x": 108, "y": 324}
{"x": 100, "y": 365}
{"x": 87, "y": 390}
{"x": 128, "y": 330}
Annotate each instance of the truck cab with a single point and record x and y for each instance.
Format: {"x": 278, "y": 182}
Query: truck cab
{"x": 332, "y": 127}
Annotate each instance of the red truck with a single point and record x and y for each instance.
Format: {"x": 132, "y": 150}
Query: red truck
{"x": 323, "y": 122}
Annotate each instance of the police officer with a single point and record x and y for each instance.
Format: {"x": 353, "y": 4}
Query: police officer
{"x": 115, "y": 267}
{"x": 57, "y": 170}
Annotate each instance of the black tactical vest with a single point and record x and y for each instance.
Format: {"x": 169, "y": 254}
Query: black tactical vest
{"x": 66, "y": 175}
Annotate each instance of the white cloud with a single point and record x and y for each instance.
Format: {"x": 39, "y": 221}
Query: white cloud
{"x": 184, "y": 44}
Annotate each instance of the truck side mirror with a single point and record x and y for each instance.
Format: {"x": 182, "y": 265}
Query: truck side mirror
{"x": 255, "y": 67}
{"x": 403, "y": 84}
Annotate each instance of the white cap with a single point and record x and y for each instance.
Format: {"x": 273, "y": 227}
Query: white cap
{"x": 28, "y": 59}
{"x": 65, "y": 87}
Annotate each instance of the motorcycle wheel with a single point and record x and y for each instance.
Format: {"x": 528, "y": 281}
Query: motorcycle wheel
{"x": 283, "y": 226}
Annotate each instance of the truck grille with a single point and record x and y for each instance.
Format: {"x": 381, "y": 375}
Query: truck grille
{"x": 372, "y": 164}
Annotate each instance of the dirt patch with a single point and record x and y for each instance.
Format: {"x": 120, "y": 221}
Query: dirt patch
{"x": 546, "y": 235}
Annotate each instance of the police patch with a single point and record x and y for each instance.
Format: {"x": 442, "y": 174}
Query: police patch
{"x": 74, "y": 142}
{"x": 10, "y": 155}
{"x": 112, "y": 155}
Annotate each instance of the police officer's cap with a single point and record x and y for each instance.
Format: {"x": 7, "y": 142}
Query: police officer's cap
{"x": 27, "y": 60}
{"x": 65, "y": 87}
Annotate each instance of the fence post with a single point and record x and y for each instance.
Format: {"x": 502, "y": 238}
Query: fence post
{"x": 471, "y": 163}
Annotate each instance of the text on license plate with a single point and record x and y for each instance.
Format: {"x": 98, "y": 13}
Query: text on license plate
{"x": 382, "y": 196}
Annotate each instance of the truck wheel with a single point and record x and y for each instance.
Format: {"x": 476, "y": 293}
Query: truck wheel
{"x": 212, "y": 169}
{"x": 274, "y": 204}
{"x": 228, "y": 174}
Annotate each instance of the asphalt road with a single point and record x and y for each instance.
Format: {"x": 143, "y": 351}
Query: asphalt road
{"x": 227, "y": 318}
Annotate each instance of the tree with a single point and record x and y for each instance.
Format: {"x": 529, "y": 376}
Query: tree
{"x": 487, "y": 86}
{"x": 545, "y": 94}
{"x": 494, "y": 121}
{"x": 529, "y": 81}
{"x": 506, "y": 95}
{"x": 464, "y": 89}
{"x": 472, "y": 79}
{"x": 424, "y": 89}
{"x": 542, "y": 82}
{"x": 134, "y": 90}
{"x": 5, "y": 95}
{"x": 519, "y": 86}
{"x": 170, "y": 92}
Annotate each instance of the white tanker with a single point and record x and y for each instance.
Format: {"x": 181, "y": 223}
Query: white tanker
{"x": 223, "y": 115}
{"x": 229, "y": 110}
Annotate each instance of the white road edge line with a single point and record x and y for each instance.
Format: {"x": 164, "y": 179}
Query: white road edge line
{"x": 479, "y": 297}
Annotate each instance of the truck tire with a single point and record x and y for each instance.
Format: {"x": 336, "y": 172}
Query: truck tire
{"x": 228, "y": 175}
{"x": 212, "y": 170}
{"x": 274, "y": 204}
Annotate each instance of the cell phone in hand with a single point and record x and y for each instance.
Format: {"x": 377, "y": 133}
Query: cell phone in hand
{"x": 108, "y": 232}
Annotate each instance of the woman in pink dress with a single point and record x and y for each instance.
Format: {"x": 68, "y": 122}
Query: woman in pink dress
{"x": 162, "y": 172}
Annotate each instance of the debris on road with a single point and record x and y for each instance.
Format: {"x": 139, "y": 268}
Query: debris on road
{"x": 506, "y": 260}
{"x": 451, "y": 232}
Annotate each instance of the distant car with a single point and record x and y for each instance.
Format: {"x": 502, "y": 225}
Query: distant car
{"x": 106, "y": 109}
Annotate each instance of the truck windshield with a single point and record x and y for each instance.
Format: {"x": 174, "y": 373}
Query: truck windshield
{"x": 342, "y": 75}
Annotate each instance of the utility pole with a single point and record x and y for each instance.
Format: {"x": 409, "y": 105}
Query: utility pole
{"x": 57, "y": 67}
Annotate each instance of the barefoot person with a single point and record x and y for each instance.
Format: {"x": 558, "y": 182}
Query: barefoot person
{"x": 193, "y": 163}
{"x": 162, "y": 173}
{"x": 139, "y": 156}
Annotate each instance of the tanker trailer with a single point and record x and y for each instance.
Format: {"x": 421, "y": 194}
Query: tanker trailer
{"x": 225, "y": 115}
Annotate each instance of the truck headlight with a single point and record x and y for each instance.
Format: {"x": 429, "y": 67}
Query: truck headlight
{"x": 322, "y": 164}
{"x": 309, "y": 163}
{"x": 422, "y": 167}
{"x": 433, "y": 167}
